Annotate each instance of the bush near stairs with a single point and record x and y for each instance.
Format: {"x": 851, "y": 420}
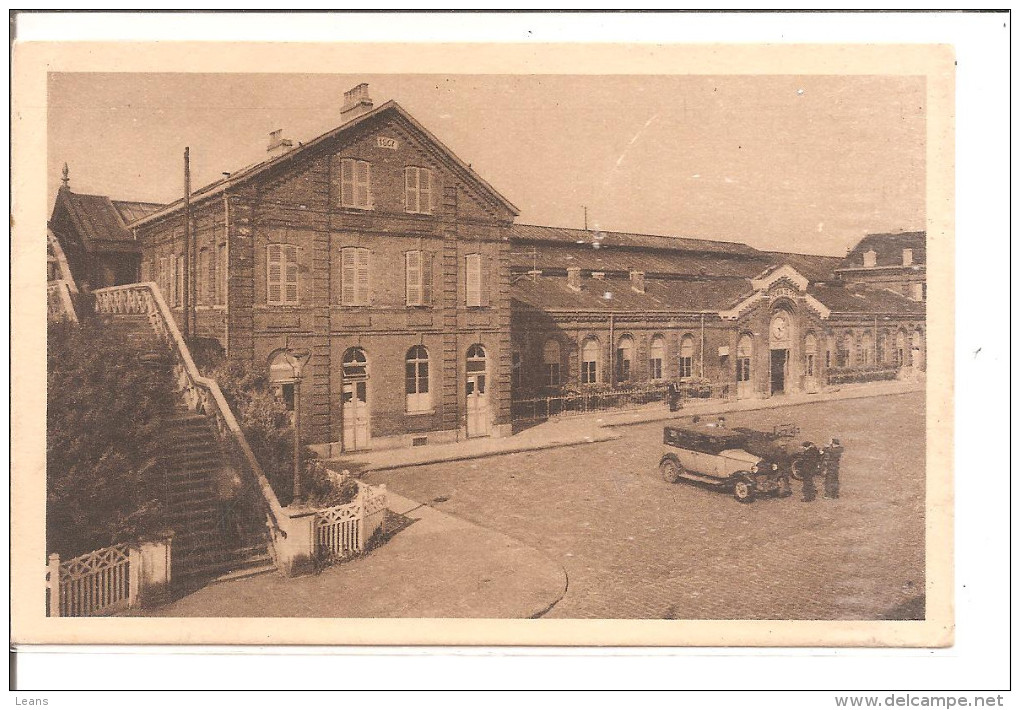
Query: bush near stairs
{"x": 110, "y": 394}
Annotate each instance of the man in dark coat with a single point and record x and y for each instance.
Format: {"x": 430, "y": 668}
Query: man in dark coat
{"x": 808, "y": 461}
{"x": 830, "y": 468}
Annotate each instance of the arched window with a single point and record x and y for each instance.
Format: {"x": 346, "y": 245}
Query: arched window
{"x": 687, "y": 356}
{"x": 476, "y": 359}
{"x": 551, "y": 363}
{"x": 846, "y": 351}
{"x": 656, "y": 354}
{"x": 916, "y": 348}
{"x": 810, "y": 353}
{"x": 624, "y": 358}
{"x": 901, "y": 349}
{"x": 590, "y": 362}
{"x": 354, "y": 366}
{"x": 882, "y": 349}
{"x": 744, "y": 349}
{"x": 416, "y": 376}
{"x": 866, "y": 349}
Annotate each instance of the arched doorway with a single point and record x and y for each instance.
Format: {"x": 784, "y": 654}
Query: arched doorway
{"x": 780, "y": 341}
{"x": 355, "y": 410}
{"x": 916, "y": 351}
{"x": 745, "y": 348}
{"x": 477, "y": 391}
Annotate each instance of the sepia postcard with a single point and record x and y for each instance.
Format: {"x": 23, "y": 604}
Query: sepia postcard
{"x": 480, "y": 344}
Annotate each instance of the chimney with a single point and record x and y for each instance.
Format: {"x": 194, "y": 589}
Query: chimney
{"x": 637, "y": 281}
{"x": 278, "y": 145}
{"x": 356, "y": 103}
{"x": 574, "y": 278}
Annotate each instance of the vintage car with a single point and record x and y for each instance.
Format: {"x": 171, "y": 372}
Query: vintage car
{"x": 749, "y": 463}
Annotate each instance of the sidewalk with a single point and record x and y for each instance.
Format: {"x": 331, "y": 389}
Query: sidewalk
{"x": 566, "y": 431}
{"x": 656, "y": 413}
{"x": 434, "y": 566}
{"x": 598, "y": 426}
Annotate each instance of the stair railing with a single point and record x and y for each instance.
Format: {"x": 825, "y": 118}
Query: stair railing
{"x": 200, "y": 394}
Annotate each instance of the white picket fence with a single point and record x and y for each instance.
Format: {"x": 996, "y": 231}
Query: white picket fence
{"x": 343, "y": 530}
{"x": 106, "y": 581}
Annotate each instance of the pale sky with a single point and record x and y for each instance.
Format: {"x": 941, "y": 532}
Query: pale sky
{"x": 787, "y": 163}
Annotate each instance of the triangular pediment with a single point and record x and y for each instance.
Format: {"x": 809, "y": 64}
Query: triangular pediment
{"x": 767, "y": 279}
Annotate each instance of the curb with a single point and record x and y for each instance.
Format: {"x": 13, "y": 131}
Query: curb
{"x": 765, "y": 404}
{"x": 466, "y": 456}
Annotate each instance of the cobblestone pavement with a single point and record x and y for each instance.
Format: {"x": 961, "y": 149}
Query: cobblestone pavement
{"x": 634, "y": 546}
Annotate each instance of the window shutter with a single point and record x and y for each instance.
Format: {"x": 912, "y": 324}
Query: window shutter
{"x": 412, "y": 278}
{"x": 361, "y": 179}
{"x": 347, "y": 182}
{"x": 361, "y": 288}
{"x": 426, "y": 278}
{"x": 291, "y": 285}
{"x": 483, "y": 280}
{"x": 347, "y": 276}
{"x": 425, "y": 190}
{"x": 411, "y": 189}
{"x": 474, "y": 280}
{"x": 274, "y": 273}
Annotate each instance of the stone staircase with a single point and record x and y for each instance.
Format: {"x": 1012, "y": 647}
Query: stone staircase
{"x": 219, "y": 531}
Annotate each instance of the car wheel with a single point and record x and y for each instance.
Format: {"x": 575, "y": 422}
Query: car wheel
{"x": 743, "y": 490}
{"x": 670, "y": 470}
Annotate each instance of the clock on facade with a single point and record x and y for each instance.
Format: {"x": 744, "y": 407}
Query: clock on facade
{"x": 779, "y": 327}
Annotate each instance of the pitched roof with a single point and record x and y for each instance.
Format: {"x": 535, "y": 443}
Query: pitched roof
{"x": 131, "y": 211}
{"x": 813, "y": 267}
{"x": 888, "y": 249}
{"x": 841, "y": 299}
{"x": 251, "y": 171}
{"x": 96, "y": 221}
{"x": 564, "y": 235}
{"x": 553, "y": 294}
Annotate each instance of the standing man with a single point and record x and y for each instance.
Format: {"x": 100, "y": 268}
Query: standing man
{"x": 808, "y": 462}
{"x": 830, "y": 467}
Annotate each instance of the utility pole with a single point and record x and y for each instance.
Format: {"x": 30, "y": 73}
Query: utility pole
{"x": 187, "y": 244}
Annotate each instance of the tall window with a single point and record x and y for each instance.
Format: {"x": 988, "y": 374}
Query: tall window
{"x": 908, "y": 257}
{"x": 418, "y": 278}
{"x": 173, "y": 286}
{"x": 624, "y": 358}
{"x": 355, "y": 183}
{"x": 870, "y": 257}
{"x": 810, "y": 350}
{"x": 213, "y": 286}
{"x": 551, "y": 363}
{"x": 281, "y": 274}
{"x": 866, "y": 349}
{"x": 221, "y": 281}
{"x": 515, "y": 371}
{"x": 846, "y": 352}
{"x": 202, "y": 277}
{"x": 744, "y": 358}
{"x": 354, "y": 276}
{"x": 917, "y": 291}
{"x": 418, "y": 190}
{"x": 901, "y": 349}
{"x": 687, "y": 356}
{"x": 590, "y": 362}
{"x": 656, "y": 354}
{"x": 177, "y": 279}
{"x": 416, "y": 371}
{"x": 476, "y": 283}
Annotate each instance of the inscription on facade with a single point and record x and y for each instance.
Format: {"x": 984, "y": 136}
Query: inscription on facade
{"x": 389, "y": 143}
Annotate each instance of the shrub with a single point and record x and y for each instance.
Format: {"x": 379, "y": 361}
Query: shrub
{"x": 104, "y": 433}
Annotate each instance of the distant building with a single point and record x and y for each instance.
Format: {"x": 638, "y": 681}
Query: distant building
{"x": 426, "y": 312}
{"x": 93, "y": 235}
{"x": 891, "y": 261}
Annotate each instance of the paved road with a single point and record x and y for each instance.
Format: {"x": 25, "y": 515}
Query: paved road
{"x": 634, "y": 546}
